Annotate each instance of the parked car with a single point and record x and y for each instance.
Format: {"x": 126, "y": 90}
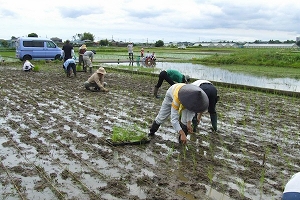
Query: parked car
{"x": 34, "y": 48}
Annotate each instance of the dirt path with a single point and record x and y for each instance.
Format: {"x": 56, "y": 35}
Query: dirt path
{"x": 53, "y": 142}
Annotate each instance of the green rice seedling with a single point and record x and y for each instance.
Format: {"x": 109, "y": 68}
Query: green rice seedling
{"x": 128, "y": 134}
{"x": 170, "y": 152}
{"x": 262, "y": 179}
{"x": 78, "y": 68}
{"x": 242, "y": 187}
{"x": 210, "y": 173}
{"x": 36, "y": 68}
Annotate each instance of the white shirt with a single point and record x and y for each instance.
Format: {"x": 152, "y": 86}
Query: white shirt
{"x": 27, "y": 65}
{"x": 293, "y": 185}
{"x": 199, "y": 82}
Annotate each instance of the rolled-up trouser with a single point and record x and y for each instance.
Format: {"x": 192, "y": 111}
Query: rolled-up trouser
{"x": 87, "y": 61}
{"x": 73, "y": 67}
{"x": 87, "y": 85}
{"x": 163, "y": 75}
{"x": 80, "y": 59}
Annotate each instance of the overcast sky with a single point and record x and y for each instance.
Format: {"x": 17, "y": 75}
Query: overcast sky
{"x": 152, "y": 20}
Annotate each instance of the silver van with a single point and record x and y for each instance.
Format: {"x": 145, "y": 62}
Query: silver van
{"x": 34, "y": 48}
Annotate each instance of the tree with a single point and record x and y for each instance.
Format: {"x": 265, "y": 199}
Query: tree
{"x": 103, "y": 42}
{"x": 4, "y": 43}
{"x": 87, "y": 36}
{"x": 32, "y": 35}
{"x": 159, "y": 43}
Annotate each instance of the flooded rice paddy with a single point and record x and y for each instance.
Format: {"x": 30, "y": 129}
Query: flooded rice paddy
{"x": 53, "y": 142}
{"x": 199, "y": 71}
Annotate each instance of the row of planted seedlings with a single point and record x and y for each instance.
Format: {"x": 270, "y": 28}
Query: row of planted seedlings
{"x": 44, "y": 148}
{"x": 258, "y": 121}
{"x": 194, "y": 156}
{"x": 47, "y": 149}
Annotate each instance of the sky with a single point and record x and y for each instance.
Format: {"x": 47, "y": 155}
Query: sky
{"x": 153, "y": 20}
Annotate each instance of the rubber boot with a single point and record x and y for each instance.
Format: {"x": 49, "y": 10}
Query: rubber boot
{"x": 214, "y": 119}
{"x": 153, "y": 128}
{"x": 91, "y": 70}
{"x": 155, "y": 92}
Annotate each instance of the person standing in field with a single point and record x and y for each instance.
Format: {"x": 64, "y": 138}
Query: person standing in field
{"x": 130, "y": 51}
{"x": 67, "y": 51}
{"x": 142, "y": 52}
{"x": 171, "y": 76}
{"x": 88, "y": 57}
{"x": 187, "y": 97}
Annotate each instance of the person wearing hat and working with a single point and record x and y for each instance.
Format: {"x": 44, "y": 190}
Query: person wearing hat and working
{"x": 213, "y": 98}
{"x": 191, "y": 98}
{"x": 292, "y": 188}
{"x": 97, "y": 81}
{"x": 88, "y": 57}
{"x": 82, "y": 50}
{"x": 171, "y": 76}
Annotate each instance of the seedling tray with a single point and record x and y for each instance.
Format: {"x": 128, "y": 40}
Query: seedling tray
{"x": 144, "y": 141}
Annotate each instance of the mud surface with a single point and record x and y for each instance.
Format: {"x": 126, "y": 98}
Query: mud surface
{"x": 53, "y": 142}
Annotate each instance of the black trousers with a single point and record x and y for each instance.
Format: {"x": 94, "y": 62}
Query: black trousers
{"x": 163, "y": 75}
{"x": 73, "y": 67}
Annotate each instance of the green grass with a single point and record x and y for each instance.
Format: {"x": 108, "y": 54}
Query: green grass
{"x": 128, "y": 134}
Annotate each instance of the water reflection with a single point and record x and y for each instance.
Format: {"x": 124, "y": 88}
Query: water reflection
{"x": 199, "y": 71}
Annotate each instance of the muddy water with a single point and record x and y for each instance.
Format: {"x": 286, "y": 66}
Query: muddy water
{"x": 53, "y": 142}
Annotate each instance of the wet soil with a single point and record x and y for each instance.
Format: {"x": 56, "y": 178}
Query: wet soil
{"x": 53, "y": 136}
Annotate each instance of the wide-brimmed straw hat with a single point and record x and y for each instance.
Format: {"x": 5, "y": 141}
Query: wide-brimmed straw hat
{"x": 101, "y": 70}
{"x": 83, "y": 46}
{"x": 193, "y": 98}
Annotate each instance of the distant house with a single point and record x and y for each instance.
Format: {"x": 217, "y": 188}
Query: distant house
{"x": 182, "y": 46}
{"x": 215, "y": 44}
{"x": 283, "y": 45}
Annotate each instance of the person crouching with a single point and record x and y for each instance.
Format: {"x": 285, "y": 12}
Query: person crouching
{"x": 97, "y": 81}
{"x": 68, "y": 65}
{"x": 27, "y": 66}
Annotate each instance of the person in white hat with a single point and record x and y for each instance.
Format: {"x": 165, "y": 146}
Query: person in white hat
{"x": 292, "y": 188}
{"x": 97, "y": 81}
{"x": 190, "y": 97}
{"x": 171, "y": 76}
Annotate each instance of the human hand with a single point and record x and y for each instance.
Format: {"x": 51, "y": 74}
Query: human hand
{"x": 105, "y": 90}
{"x": 190, "y": 129}
{"x": 182, "y": 137}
